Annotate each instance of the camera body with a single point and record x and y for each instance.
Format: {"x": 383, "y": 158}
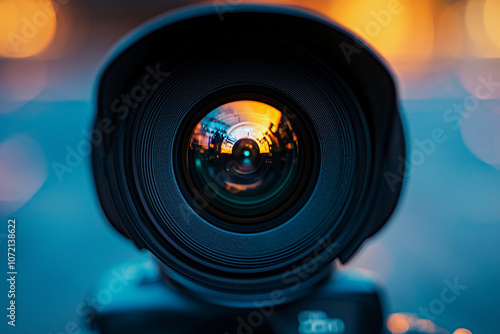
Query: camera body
{"x": 246, "y": 148}
{"x": 347, "y": 303}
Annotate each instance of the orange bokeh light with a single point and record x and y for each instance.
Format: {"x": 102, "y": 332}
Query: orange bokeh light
{"x": 462, "y": 331}
{"x": 398, "y": 29}
{"x": 27, "y": 27}
{"x": 398, "y": 323}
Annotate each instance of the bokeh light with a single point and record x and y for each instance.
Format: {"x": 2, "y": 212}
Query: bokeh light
{"x": 426, "y": 325}
{"x": 398, "y": 323}
{"x": 480, "y": 43}
{"x": 492, "y": 21}
{"x": 22, "y": 81}
{"x": 27, "y": 27}
{"x": 480, "y": 77}
{"x": 23, "y": 170}
{"x": 480, "y": 132}
{"x": 462, "y": 331}
{"x": 399, "y": 30}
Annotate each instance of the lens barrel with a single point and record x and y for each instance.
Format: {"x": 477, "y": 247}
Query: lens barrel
{"x": 247, "y": 149}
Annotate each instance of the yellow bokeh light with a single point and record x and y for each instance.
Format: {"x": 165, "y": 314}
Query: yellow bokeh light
{"x": 492, "y": 22}
{"x": 398, "y": 323}
{"x": 398, "y": 29}
{"x": 462, "y": 331}
{"x": 27, "y": 27}
{"x": 475, "y": 20}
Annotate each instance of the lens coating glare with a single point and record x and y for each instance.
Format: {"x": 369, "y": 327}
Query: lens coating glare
{"x": 246, "y": 160}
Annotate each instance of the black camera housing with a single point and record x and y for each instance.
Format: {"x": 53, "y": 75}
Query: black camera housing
{"x": 142, "y": 301}
{"x": 165, "y": 71}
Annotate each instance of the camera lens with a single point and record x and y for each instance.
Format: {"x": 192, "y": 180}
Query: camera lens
{"x": 248, "y": 162}
{"x": 247, "y": 151}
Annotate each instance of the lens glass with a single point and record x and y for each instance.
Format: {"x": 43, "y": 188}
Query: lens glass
{"x": 245, "y": 160}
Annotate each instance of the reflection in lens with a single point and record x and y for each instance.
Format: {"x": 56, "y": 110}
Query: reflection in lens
{"x": 245, "y": 158}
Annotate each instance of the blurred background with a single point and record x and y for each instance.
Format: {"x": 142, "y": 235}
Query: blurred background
{"x": 446, "y": 230}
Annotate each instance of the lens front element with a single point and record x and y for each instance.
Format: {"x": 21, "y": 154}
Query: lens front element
{"x": 245, "y": 159}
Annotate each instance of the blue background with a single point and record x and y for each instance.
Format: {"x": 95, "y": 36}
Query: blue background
{"x": 446, "y": 226}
